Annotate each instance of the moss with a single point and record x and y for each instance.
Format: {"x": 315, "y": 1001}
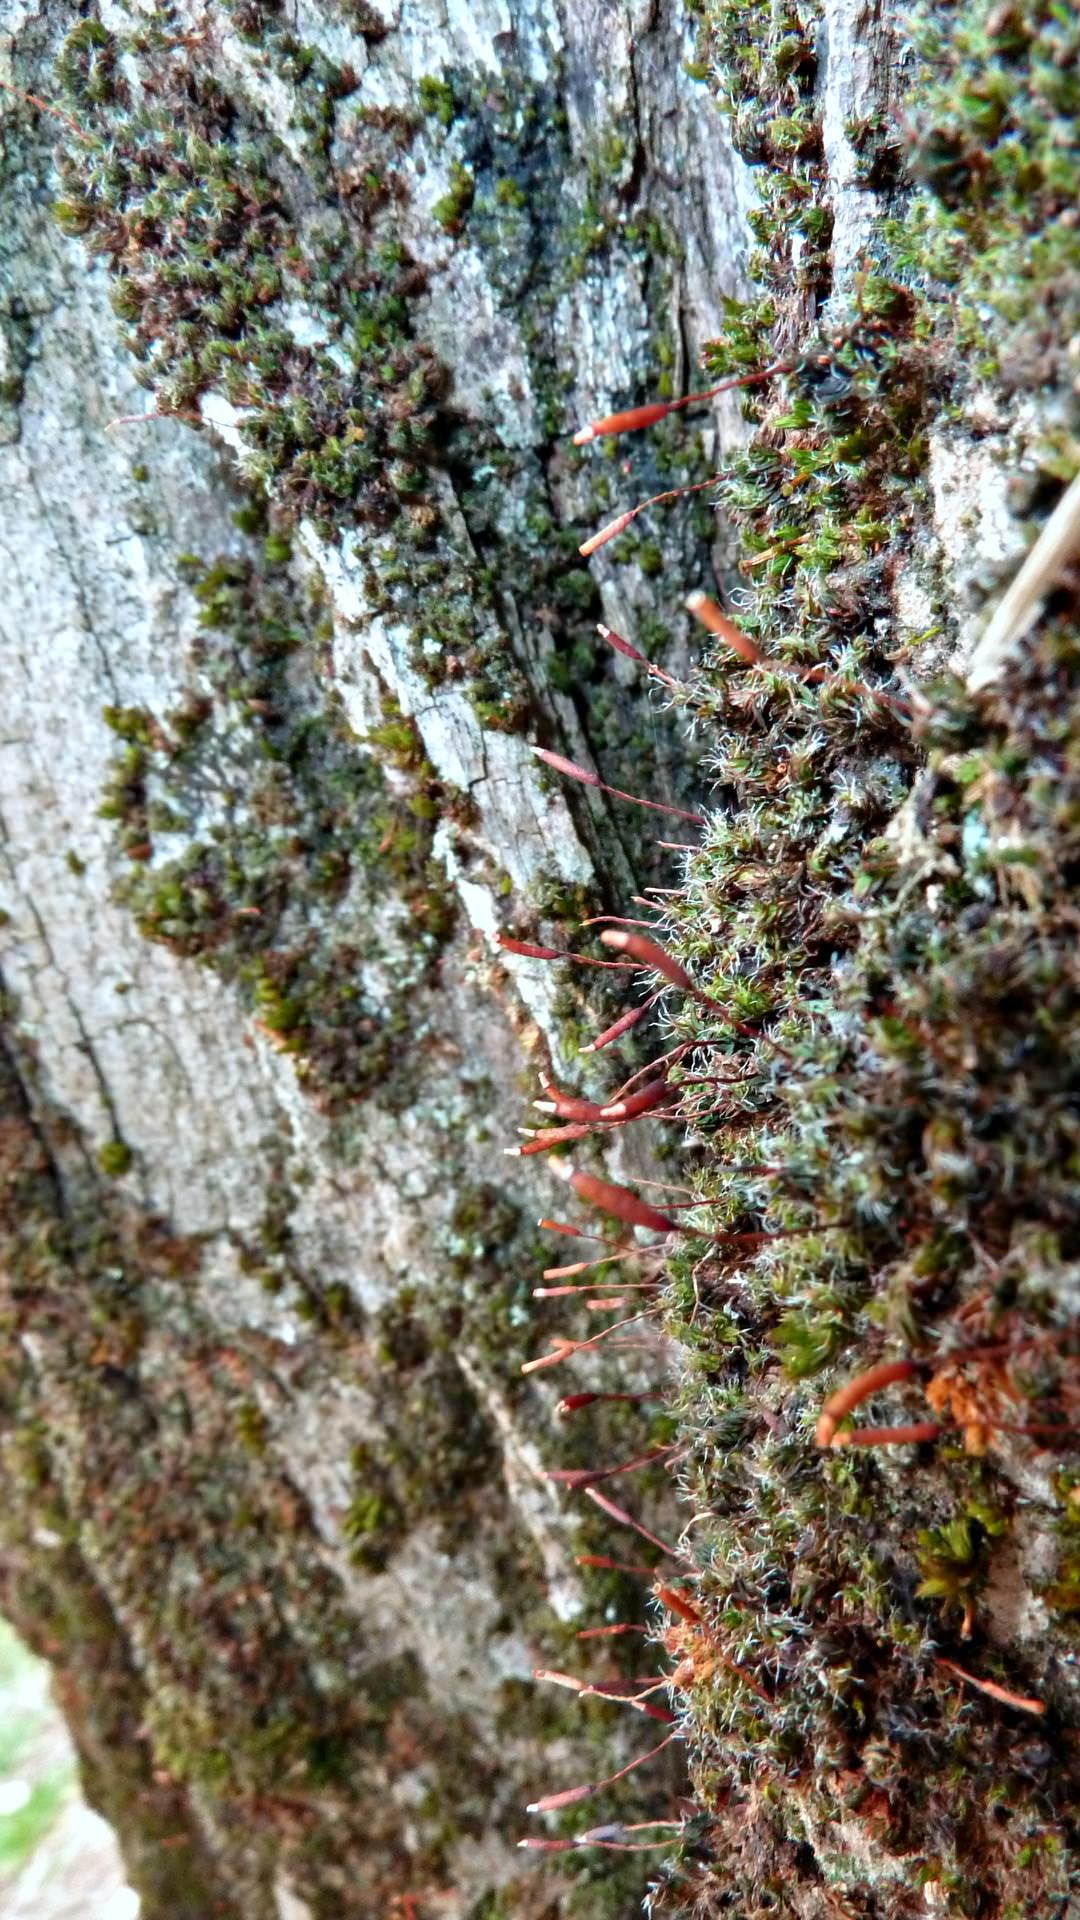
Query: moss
{"x": 924, "y": 1127}
{"x": 436, "y": 97}
{"x": 114, "y": 1158}
{"x": 993, "y": 130}
{"x": 251, "y": 1427}
{"x": 373, "y": 1522}
{"x": 953, "y": 1558}
{"x": 919, "y": 1135}
{"x": 157, "y": 1475}
{"x": 451, "y": 210}
{"x": 256, "y": 888}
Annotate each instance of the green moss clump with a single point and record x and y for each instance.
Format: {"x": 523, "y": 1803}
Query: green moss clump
{"x": 114, "y": 1158}
{"x": 885, "y": 896}
{"x": 280, "y": 812}
{"x": 436, "y": 97}
{"x": 926, "y": 1136}
{"x": 251, "y": 1426}
{"x": 993, "y": 130}
{"x": 451, "y": 210}
{"x": 187, "y": 211}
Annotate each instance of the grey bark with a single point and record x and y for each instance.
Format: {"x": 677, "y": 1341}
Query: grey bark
{"x": 272, "y": 1726}
{"x": 275, "y": 1724}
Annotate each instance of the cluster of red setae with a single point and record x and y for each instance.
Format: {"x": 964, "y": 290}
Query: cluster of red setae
{"x": 650, "y": 1092}
{"x": 690, "y": 1640}
{"x": 663, "y": 1090}
{"x": 654, "y": 1093}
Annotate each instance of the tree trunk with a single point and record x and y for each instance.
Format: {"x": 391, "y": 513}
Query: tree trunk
{"x": 303, "y": 305}
{"x": 274, "y": 1495}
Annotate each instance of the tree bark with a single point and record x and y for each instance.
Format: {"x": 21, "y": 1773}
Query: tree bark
{"x": 273, "y": 1491}
{"x": 302, "y": 307}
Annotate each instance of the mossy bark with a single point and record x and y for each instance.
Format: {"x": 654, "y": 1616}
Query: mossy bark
{"x": 304, "y": 306}
{"x": 298, "y": 313}
{"x": 879, "y": 1409}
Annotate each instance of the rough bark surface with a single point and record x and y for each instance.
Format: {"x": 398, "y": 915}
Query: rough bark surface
{"x": 274, "y": 1503}
{"x": 290, "y": 521}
